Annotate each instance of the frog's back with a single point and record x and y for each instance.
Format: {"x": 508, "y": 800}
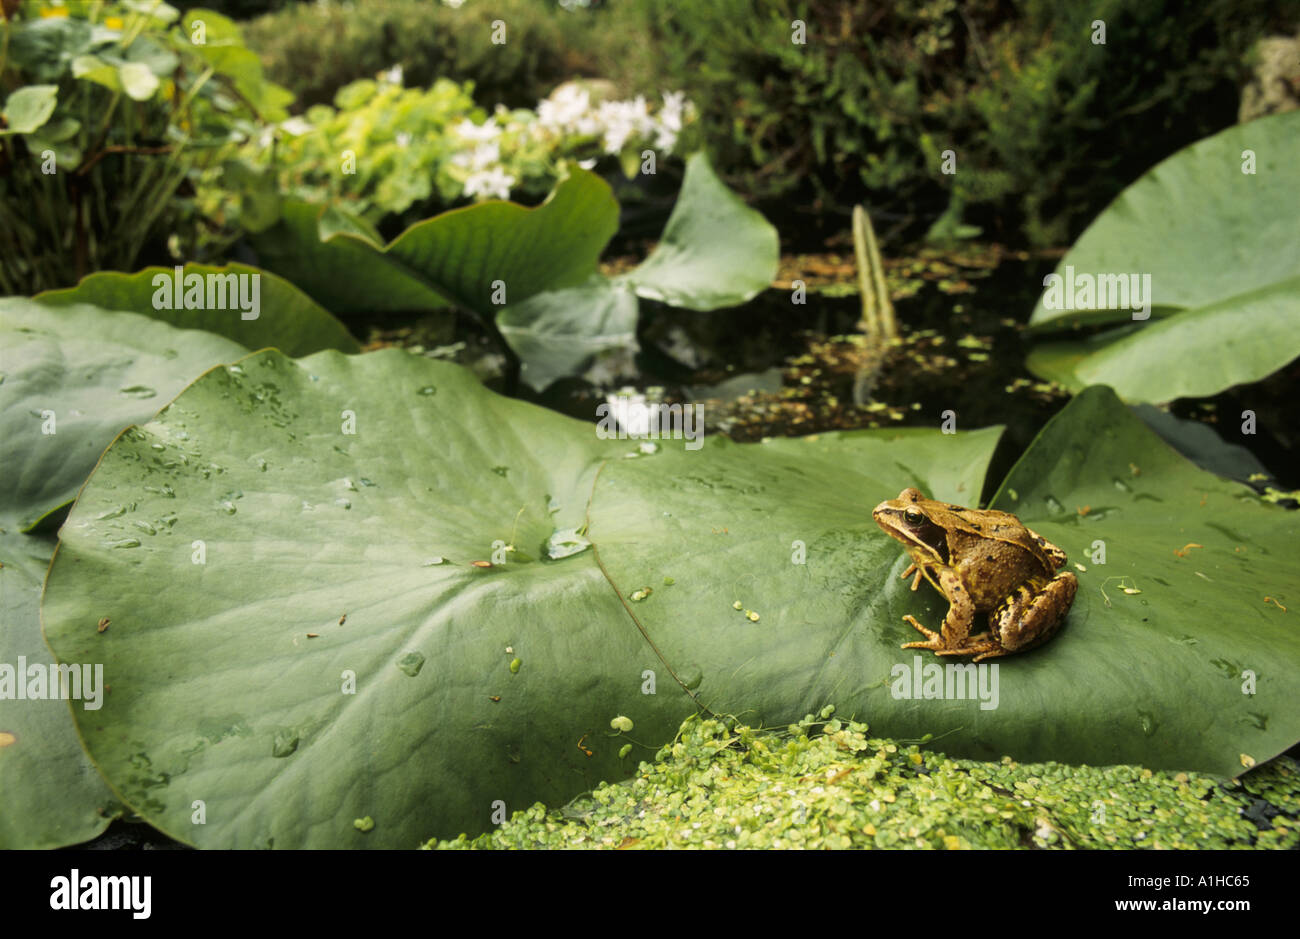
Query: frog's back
{"x": 1005, "y": 527}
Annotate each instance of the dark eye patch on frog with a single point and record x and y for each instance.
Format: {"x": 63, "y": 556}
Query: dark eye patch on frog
{"x": 929, "y": 534}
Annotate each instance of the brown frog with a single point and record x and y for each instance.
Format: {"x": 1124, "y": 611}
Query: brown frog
{"x": 982, "y": 561}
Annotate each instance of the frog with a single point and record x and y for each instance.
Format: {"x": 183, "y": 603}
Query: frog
{"x": 981, "y": 561}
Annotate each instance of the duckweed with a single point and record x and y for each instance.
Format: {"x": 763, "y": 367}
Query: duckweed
{"x": 827, "y": 784}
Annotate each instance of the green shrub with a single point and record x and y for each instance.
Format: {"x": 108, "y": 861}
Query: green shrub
{"x": 315, "y": 49}
{"x": 236, "y": 9}
{"x": 383, "y": 149}
{"x": 112, "y": 116}
{"x": 1045, "y": 125}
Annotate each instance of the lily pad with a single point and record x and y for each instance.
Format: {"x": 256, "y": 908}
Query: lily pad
{"x": 533, "y": 271}
{"x": 1213, "y": 229}
{"x": 555, "y": 333}
{"x": 481, "y": 257}
{"x": 1156, "y": 677}
{"x": 424, "y": 537}
{"x": 52, "y": 794}
{"x": 1185, "y": 654}
{"x": 374, "y": 621}
{"x": 286, "y": 319}
{"x": 715, "y": 251}
{"x": 69, "y": 381}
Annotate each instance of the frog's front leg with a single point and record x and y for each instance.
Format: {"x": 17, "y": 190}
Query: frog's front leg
{"x": 912, "y": 569}
{"x": 1032, "y": 614}
{"x": 956, "y": 625}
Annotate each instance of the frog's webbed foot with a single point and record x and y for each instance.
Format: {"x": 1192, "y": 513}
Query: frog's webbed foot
{"x": 982, "y": 647}
{"x": 936, "y": 640}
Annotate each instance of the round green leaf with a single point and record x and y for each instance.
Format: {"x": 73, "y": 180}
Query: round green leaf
{"x": 715, "y": 251}
{"x": 1205, "y": 230}
{"x": 27, "y": 109}
{"x": 1231, "y": 342}
{"x": 52, "y": 794}
{"x": 1212, "y": 231}
{"x": 400, "y": 514}
{"x": 92, "y": 68}
{"x": 43, "y": 48}
{"x": 69, "y": 381}
{"x": 286, "y": 318}
{"x": 159, "y": 59}
{"x": 556, "y": 332}
{"x": 138, "y": 81}
{"x": 467, "y": 256}
{"x": 1201, "y": 665}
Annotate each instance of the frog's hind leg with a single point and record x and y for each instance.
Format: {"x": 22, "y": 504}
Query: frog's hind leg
{"x": 1030, "y": 617}
{"x": 1055, "y": 554}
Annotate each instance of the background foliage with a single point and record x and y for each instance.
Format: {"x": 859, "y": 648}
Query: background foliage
{"x": 140, "y": 114}
{"x": 1047, "y": 126}
{"x": 315, "y": 49}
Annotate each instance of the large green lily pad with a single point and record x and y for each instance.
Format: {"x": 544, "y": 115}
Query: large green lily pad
{"x": 1153, "y": 677}
{"x": 84, "y": 374}
{"x": 384, "y": 556}
{"x": 288, "y": 319}
{"x": 1219, "y": 248}
{"x": 367, "y": 541}
{"x": 52, "y": 794}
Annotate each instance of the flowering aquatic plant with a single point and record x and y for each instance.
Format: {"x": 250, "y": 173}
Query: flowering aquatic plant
{"x": 384, "y": 148}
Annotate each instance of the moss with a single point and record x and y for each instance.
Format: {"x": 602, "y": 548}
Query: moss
{"x": 827, "y": 784}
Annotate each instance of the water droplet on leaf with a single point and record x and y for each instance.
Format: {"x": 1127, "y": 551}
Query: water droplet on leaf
{"x": 411, "y": 663}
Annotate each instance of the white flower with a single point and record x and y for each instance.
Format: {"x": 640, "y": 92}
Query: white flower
{"x": 565, "y": 109}
{"x": 403, "y": 139}
{"x": 622, "y": 120}
{"x": 587, "y": 164}
{"x": 631, "y": 413}
{"x": 393, "y": 76}
{"x": 295, "y": 126}
{"x": 480, "y": 158}
{"x": 479, "y": 133}
{"x": 670, "y": 115}
{"x": 492, "y": 183}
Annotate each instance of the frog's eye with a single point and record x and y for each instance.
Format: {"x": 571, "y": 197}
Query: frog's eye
{"x": 913, "y": 517}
